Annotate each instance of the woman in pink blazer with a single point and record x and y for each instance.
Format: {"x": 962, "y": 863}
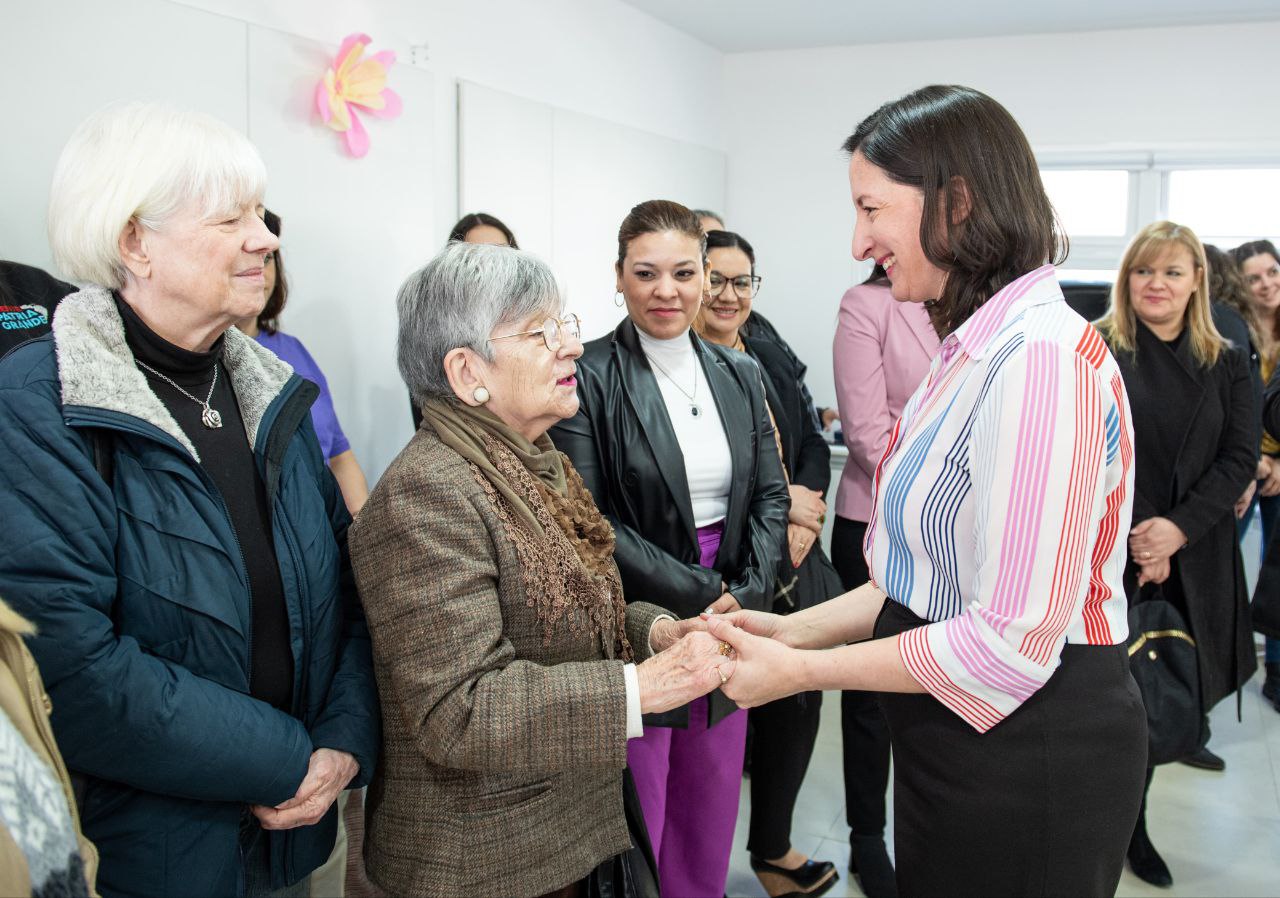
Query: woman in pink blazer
{"x": 882, "y": 352}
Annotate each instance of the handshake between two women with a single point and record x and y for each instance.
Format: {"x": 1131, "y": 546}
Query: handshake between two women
{"x": 756, "y": 658}
{"x": 750, "y": 655}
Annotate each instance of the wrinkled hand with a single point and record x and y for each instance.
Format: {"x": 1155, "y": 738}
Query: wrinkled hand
{"x": 688, "y": 670}
{"x": 800, "y": 542}
{"x": 666, "y": 632}
{"x": 1155, "y": 539}
{"x": 763, "y": 670}
{"x": 723, "y": 605}
{"x": 1246, "y": 499}
{"x": 1156, "y": 572}
{"x": 328, "y": 773}
{"x": 807, "y": 508}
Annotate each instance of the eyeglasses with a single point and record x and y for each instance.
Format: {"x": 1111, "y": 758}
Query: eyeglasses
{"x": 553, "y": 331}
{"x": 745, "y": 286}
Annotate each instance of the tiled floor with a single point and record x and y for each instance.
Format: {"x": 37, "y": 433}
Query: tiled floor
{"x": 1219, "y": 832}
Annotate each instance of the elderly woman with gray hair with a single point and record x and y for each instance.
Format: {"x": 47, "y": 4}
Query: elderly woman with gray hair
{"x": 183, "y": 546}
{"x": 505, "y": 653}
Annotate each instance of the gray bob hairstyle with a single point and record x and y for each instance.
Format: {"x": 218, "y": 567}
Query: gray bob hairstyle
{"x": 143, "y": 161}
{"x": 458, "y": 299}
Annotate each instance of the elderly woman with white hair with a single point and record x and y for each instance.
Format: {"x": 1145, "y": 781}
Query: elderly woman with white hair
{"x": 183, "y": 546}
{"x": 506, "y": 655}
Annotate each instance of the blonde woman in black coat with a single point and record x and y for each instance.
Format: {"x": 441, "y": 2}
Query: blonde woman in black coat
{"x": 1195, "y": 447}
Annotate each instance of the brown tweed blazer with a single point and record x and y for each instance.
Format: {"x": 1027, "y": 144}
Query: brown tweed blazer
{"x": 502, "y": 756}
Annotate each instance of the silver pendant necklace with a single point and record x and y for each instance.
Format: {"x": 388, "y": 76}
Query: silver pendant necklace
{"x": 694, "y": 408}
{"x": 210, "y": 417}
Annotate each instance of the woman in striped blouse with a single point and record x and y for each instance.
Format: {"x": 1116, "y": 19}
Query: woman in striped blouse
{"x": 996, "y": 543}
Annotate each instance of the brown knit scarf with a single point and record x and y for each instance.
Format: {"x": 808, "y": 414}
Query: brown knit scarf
{"x": 563, "y": 543}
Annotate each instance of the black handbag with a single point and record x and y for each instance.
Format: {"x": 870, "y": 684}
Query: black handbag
{"x": 815, "y": 581}
{"x": 1162, "y": 658}
{"x": 634, "y": 872}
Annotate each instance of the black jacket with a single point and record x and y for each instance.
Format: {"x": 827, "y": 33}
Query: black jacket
{"x": 1266, "y": 594}
{"x": 1211, "y": 414}
{"x": 805, "y": 453}
{"x": 807, "y": 459}
{"x": 622, "y": 443}
{"x": 760, "y": 327}
{"x": 1229, "y": 323}
{"x": 28, "y": 297}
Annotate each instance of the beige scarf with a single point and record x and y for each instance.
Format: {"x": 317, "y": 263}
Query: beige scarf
{"x": 563, "y": 543}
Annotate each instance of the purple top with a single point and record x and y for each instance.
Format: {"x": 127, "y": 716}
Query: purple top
{"x": 332, "y": 440}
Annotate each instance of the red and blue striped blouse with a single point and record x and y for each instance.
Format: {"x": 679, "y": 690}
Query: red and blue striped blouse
{"x": 1003, "y": 502}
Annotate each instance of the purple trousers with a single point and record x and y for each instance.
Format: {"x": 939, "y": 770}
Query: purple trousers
{"x": 689, "y": 782}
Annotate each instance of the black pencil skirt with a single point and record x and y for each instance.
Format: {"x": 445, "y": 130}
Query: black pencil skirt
{"x": 1043, "y": 803}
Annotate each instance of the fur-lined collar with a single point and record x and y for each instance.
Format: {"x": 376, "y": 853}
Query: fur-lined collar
{"x": 98, "y": 371}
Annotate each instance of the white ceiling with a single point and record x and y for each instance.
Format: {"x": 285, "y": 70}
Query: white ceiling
{"x": 736, "y": 26}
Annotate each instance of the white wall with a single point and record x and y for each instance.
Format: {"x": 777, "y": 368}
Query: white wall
{"x": 572, "y": 183}
{"x": 353, "y": 228}
{"x": 601, "y": 58}
{"x": 1199, "y": 88}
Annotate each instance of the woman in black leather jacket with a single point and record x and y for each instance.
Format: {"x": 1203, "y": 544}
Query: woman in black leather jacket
{"x": 674, "y": 441}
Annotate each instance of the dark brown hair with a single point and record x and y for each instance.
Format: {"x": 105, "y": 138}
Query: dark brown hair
{"x": 731, "y": 240}
{"x": 655, "y": 216}
{"x": 957, "y": 145}
{"x": 477, "y": 219}
{"x": 1227, "y": 286}
{"x": 1246, "y": 251}
{"x": 1243, "y": 253}
{"x": 269, "y": 317}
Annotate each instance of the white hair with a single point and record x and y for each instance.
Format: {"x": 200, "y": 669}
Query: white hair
{"x": 142, "y": 161}
{"x": 458, "y": 299}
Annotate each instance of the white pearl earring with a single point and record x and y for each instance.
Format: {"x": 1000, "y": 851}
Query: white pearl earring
{"x": 481, "y": 395}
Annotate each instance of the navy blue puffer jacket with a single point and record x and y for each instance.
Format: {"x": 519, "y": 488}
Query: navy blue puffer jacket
{"x": 141, "y": 599}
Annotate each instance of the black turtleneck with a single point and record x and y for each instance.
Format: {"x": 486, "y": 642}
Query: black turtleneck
{"x": 226, "y": 456}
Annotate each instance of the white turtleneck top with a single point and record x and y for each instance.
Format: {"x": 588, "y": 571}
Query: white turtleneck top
{"x": 703, "y": 443}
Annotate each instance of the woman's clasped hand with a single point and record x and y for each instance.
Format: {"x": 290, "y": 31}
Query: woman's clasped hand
{"x": 1153, "y": 542}
{"x": 694, "y": 664}
{"x": 748, "y": 649}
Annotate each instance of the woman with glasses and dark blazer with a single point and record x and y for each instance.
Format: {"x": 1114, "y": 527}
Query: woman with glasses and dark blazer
{"x": 783, "y": 732}
{"x": 674, "y": 441}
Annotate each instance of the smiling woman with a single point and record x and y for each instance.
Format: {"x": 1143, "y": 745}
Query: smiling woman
{"x": 500, "y": 629}
{"x": 675, "y": 443}
{"x": 213, "y": 683}
{"x": 1195, "y": 451}
{"x": 784, "y": 730}
{"x": 994, "y": 622}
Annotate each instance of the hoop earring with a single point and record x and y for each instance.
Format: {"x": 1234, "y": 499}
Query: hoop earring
{"x": 618, "y": 300}
{"x": 481, "y": 395}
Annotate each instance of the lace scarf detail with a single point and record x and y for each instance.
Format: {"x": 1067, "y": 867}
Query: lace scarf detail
{"x": 569, "y": 576}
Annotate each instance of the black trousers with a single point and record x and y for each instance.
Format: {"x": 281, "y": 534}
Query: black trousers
{"x": 785, "y": 731}
{"x": 1043, "y": 803}
{"x": 863, "y": 728}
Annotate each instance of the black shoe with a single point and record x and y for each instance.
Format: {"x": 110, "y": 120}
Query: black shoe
{"x": 1205, "y": 760}
{"x": 869, "y": 861}
{"x": 1146, "y": 862}
{"x": 812, "y": 878}
{"x": 1271, "y": 685}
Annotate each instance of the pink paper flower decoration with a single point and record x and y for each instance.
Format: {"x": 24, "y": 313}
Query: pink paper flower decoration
{"x": 353, "y": 81}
